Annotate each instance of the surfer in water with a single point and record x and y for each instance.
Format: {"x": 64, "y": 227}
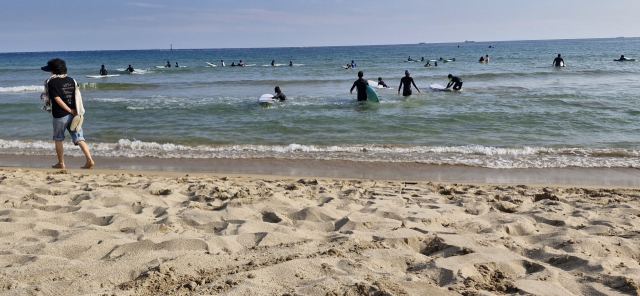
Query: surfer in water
{"x": 481, "y": 60}
{"x": 130, "y": 69}
{"x": 290, "y": 63}
{"x": 233, "y": 64}
{"x": 622, "y": 58}
{"x": 177, "y": 65}
{"x": 409, "y": 59}
{"x": 455, "y": 81}
{"x": 168, "y": 65}
{"x": 486, "y": 58}
{"x": 381, "y": 83}
{"x": 353, "y": 64}
{"x": 240, "y": 64}
{"x": 557, "y": 62}
{"x": 435, "y": 64}
{"x": 361, "y": 84}
{"x": 422, "y": 59}
{"x": 279, "y": 95}
{"x": 407, "y": 81}
{"x": 427, "y": 64}
{"x": 103, "y": 71}
{"x": 348, "y": 66}
{"x": 222, "y": 63}
{"x": 273, "y": 62}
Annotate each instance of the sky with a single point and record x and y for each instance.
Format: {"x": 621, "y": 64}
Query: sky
{"x": 73, "y": 25}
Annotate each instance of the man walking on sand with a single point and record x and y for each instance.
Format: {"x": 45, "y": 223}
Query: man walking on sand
{"x": 60, "y": 100}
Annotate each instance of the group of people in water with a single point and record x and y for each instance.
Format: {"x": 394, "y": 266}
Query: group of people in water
{"x": 406, "y": 85}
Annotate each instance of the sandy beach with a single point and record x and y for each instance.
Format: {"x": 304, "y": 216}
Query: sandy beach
{"x": 149, "y": 233}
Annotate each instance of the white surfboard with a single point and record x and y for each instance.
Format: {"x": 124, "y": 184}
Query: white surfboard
{"x": 266, "y": 99}
{"x": 210, "y": 64}
{"x": 102, "y": 76}
{"x": 161, "y": 67}
{"x": 438, "y": 87}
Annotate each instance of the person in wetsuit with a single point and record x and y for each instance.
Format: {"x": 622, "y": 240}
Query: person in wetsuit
{"x": 622, "y": 58}
{"x": 435, "y": 64}
{"x": 422, "y": 59}
{"x": 455, "y": 81}
{"x": 168, "y": 65}
{"x": 380, "y": 82}
{"x": 233, "y": 64}
{"x": 427, "y": 64}
{"x": 557, "y": 62}
{"x": 273, "y": 62}
{"x": 290, "y": 63}
{"x": 407, "y": 81}
{"x": 240, "y": 64}
{"x": 361, "y": 84}
{"x": 279, "y": 95}
{"x": 409, "y": 59}
{"x": 177, "y": 65}
{"x": 130, "y": 69}
{"x": 103, "y": 71}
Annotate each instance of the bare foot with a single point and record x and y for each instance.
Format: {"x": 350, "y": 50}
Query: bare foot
{"x": 58, "y": 166}
{"x": 89, "y": 165}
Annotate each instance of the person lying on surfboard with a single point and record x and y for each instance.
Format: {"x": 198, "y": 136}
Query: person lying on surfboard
{"x": 380, "y": 82}
{"x": 622, "y": 58}
{"x": 279, "y": 95}
{"x": 455, "y": 81}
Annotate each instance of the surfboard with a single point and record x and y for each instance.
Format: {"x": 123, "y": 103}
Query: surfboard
{"x": 210, "y": 64}
{"x": 446, "y": 61}
{"x": 102, "y": 76}
{"x": 372, "y": 95}
{"x": 162, "y": 67}
{"x": 627, "y": 60}
{"x": 266, "y": 100}
{"x": 438, "y": 87}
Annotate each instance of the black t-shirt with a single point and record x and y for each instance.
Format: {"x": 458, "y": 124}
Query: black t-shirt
{"x": 361, "y": 85}
{"x": 557, "y": 61}
{"x": 280, "y": 96}
{"x": 65, "y": 89}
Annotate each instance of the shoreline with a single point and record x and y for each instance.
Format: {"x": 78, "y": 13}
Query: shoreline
{"x": 343, "y": 169}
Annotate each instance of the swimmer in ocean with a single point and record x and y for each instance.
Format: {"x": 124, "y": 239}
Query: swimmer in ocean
{"x": 273, "y": 62}
{"x": 557, "y": 62}
{"x": 622, "y": 58}
{"x": 130, "y": 69}
{"x": 290, "y": 63}
{"x": 409, "y": 59}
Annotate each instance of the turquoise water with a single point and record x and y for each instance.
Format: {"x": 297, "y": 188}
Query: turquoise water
{"x": 516, "y": 111}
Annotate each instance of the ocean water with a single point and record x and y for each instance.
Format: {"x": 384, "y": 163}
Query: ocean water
{"x": 517, "y": 111}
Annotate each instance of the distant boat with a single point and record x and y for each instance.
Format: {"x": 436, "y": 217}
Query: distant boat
{"x": 421, "y": 43}
{"x": 467, "y": 41}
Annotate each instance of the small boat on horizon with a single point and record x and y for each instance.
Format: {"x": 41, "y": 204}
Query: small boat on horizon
{"x": 467, "y": 41}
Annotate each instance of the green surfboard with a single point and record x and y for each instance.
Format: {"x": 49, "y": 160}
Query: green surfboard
{"x": 372, "y": 95}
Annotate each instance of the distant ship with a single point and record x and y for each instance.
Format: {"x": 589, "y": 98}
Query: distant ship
{"x": 467, "y": 41}
{"x": 421, "y": 43}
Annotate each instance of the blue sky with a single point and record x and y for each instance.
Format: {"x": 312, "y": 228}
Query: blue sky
{"x": 44, "y": 25}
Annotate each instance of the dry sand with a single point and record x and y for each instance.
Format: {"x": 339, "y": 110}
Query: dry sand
{"x": 71, "y": 233}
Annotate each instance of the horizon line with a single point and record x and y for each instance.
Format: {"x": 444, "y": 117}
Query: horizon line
{"x": 275, "y": 47}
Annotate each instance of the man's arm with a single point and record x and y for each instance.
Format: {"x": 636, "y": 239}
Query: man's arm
{"x": 354, "y": 86}
{"x": 64, "y": 106}
{"x": 414, "y": 85}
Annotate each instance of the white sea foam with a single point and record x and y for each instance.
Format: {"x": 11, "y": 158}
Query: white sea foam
{"x": 473, "y": 155}
{"x": 22, "y": 88}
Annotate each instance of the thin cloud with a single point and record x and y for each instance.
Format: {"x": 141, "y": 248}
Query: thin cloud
{"x": 145, "y": 5}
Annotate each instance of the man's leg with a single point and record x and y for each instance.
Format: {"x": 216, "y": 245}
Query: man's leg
{"x": 60, "y": 153}
{"x": 457, "y": 86}
{"x": 85, "y": 149}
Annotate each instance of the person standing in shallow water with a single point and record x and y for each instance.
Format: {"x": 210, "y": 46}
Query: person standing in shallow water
{"x": 407, "y": 81}
{"x": 361, "y": 84}
{"x": 60, "y": 90}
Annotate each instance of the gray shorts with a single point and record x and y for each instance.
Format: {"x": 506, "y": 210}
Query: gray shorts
{"x": 64, "y": 123}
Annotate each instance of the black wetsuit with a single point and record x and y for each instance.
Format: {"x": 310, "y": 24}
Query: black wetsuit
{"x": 558, "y": 62}
{"x": 361, "y": 84}
{"x": 382, "y": 83}
{"x": 280, "y": 96}
{"x": 168, "y": 65}
{"x": 407, "y": 82}
{"x": 130, "y": 69}
{"x": 456, "y": 82}
{"x": 103, "y": 71}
